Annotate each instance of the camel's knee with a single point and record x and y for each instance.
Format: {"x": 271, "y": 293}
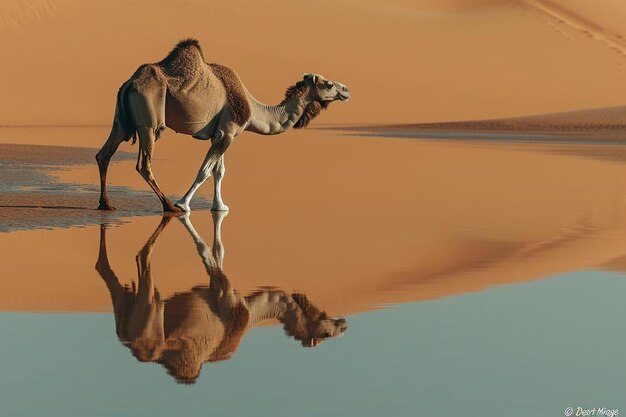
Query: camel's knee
{"x": 221, "y": 145}
{"x": 218, "y": 174}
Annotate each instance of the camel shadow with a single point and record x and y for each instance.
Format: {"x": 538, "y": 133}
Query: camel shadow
{"x": 206, "y": 323}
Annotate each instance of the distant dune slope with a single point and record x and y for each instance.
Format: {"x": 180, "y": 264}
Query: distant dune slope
{"x": 404, "y": 61}
{"x": 604, "y": 123}
{"x": 564, "y": 18}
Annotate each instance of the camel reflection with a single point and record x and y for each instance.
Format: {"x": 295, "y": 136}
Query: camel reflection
{"x": 206, "y": 323}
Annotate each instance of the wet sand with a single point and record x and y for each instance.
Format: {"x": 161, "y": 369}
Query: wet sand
{"x": 32, "y": 198}
{"x": 346, "y": 225}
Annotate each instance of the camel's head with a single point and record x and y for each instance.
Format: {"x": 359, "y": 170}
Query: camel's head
{"x": 312, "y": 326}
{"x": 319, "y": 93}
{"x": 325, "y": 91}
{"x": 320, "y": 330}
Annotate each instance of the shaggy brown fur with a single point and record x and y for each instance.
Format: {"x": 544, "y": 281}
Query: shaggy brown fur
{"x": 235, "y": 328}
{"x": 235, "y": 94}
{"x": 311, "y": 111}
{"x": 184, "y": 60}
{"x": 181, "y": 360}
{"x": 299, "y": 90}
{"x": 307, "y": 313}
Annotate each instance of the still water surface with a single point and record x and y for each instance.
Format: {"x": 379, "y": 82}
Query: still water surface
{"x": 519, "y": 350}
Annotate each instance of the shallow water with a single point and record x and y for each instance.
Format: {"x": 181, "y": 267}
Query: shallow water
{"x": 521, "y": 350}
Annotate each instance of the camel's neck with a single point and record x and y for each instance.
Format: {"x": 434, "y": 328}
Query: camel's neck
{"x": 271, "y": 120}
{"x": 269, "y": 305}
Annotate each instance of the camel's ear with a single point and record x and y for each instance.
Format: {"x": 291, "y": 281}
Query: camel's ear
{"x": 311, "y": 77}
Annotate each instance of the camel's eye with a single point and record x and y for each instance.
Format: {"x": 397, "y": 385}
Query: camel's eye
{"x": 328, "y": 86}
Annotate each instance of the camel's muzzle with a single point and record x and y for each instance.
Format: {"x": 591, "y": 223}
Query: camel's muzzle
{"x": 343, "y": 93}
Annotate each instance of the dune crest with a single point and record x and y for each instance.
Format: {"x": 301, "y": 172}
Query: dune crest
{"x": 564, "y": 19}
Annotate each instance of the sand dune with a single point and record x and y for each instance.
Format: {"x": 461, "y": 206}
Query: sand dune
{"x": 404, "y": 62}
{"x": 564, "y": 19}
{"x": 608, "y": 16}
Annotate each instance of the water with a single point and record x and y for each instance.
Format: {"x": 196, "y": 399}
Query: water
{"x": 520, "y": 350}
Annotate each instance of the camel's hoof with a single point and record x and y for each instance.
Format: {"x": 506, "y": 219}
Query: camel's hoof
{"x": 183, "y": 207}
{"x": 219, "y": 207}
{"x": 106, "y": 207}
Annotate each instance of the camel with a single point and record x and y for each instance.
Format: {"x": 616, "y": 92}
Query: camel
{"x": 204, "y": 324}
{"x": 206, "y": 101}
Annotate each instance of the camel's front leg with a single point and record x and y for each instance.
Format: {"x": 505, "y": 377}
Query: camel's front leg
{"x": 218, "y": 174}
{"x": 218, "y": 246}
{"x": 216, "y": 152}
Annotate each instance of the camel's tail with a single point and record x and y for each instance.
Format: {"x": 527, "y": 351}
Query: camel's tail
{"x": 123, "y": 115}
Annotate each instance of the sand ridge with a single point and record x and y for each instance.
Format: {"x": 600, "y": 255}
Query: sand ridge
{"x": 595, "y": 125}
{"x": 564, "y": 18}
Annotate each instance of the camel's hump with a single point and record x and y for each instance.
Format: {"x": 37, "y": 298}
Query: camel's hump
{"x": 185, "y": 46}
{"x": 185, "y": 59}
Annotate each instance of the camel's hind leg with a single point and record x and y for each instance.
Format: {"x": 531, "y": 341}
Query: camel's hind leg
{"x": 104, "y": 157}
{"x": 148, "y": 109}
{"x": 147, "y": 140}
